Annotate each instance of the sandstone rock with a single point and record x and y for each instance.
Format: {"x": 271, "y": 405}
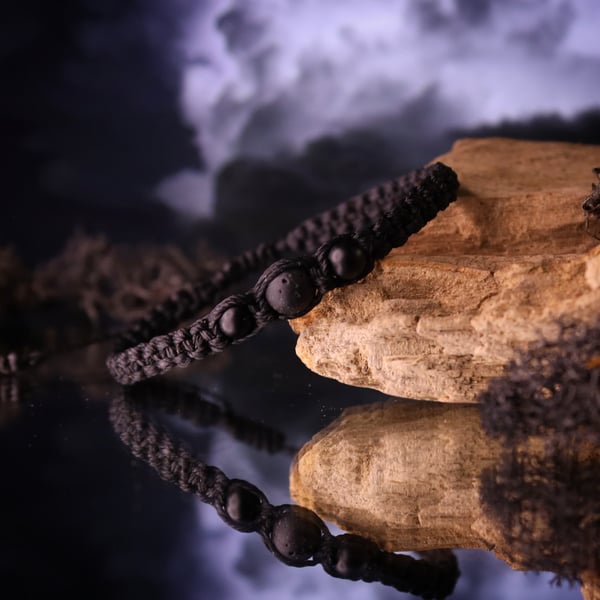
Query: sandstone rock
{"x": 405, "y": 474}
{"x": 440, "y": 316}
{"x": 590, "y": 586}
{"x": 409, "y": 475}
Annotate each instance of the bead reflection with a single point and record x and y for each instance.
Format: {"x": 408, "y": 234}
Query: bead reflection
{"x": 295, "y": 535}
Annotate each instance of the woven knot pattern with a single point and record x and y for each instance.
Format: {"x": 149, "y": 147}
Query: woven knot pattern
{"x": 379, "y": 220}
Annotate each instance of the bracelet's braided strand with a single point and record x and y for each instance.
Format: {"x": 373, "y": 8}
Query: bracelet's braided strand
{"x": 295, "y": 535}
{"x": 289, "y": 288}
{"x": 353, "y": 215}
{"x": 190, "y": 403}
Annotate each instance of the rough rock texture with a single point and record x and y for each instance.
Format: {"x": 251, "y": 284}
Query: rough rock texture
{"x": 591, "y": 586}
{"x": 404, "y": 473}
{"x": 410, "y": 475}
{"x": 496, "y": 270}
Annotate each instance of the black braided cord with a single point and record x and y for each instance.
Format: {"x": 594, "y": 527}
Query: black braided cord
{"x": 193, "y": 404}
{"x": 365, "y": 227}
{"x": 295, "y": 535}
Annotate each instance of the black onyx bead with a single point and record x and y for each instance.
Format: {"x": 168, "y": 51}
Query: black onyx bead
{"x": 404, "y": 572}
{"x": 237, "y": 322}
{"x": 291, "y": 293}
{"x": 347, "y": 259}
{"x": 297, "y": 535}
{"x": 243, "y": 503}
{"x": 354, "y": 554}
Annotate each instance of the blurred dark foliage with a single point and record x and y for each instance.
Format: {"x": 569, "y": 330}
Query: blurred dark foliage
{"x": 547, "y": 508}
{"x": 91, "y": 285}
{"x": 551, "y": 390}
{"x": 545, "y": 496}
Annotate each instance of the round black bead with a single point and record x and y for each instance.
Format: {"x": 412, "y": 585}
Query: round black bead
{"x": 243, "y": 503}
{"x": 404, "y": 572}
{"x": 347, "y": 259}
{"x": 237, "y": 322}
{"x": 297, "y": 535}
{"x": 291, "y": 293}
{"x": 354, "y": 554}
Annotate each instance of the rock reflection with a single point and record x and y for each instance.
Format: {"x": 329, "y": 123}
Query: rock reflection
{"x": 406, "y": 473}
{"x": 518, "y": 474}
{"x": 418, "y": 475}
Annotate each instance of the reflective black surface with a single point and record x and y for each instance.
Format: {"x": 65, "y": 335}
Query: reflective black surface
{"x": 84, "y": 517}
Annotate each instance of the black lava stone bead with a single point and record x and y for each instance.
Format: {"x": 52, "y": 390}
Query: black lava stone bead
{"x": 291, "y": 293}
{"x": 297, "y": 534}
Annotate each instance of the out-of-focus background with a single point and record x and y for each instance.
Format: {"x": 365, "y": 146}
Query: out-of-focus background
{"x": 136, "y": 117}
{"x": 224, "y": 122}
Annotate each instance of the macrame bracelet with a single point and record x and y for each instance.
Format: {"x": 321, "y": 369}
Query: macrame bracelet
{"x": 293, "y": 534}
{"x": 342, "y": 245}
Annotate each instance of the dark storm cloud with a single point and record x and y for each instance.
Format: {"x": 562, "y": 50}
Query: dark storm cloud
{"x": 547, "y": 33}
{"x": 111, "y": 97}
{"x": 240, "y": 29}
{"x": 273, "y": 77}
{"x": 89, "y": 114}
{"x": 474, "y": 11}
{"x": 534, "y": 29}
{"x": 431, "y": 14}
{"x": 583, "y": 128}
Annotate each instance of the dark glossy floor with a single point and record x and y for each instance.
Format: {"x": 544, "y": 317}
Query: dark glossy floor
{"x": 85, "y": 518}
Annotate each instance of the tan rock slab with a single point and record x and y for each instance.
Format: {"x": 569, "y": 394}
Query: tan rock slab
{"x": 440, "y": 316}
